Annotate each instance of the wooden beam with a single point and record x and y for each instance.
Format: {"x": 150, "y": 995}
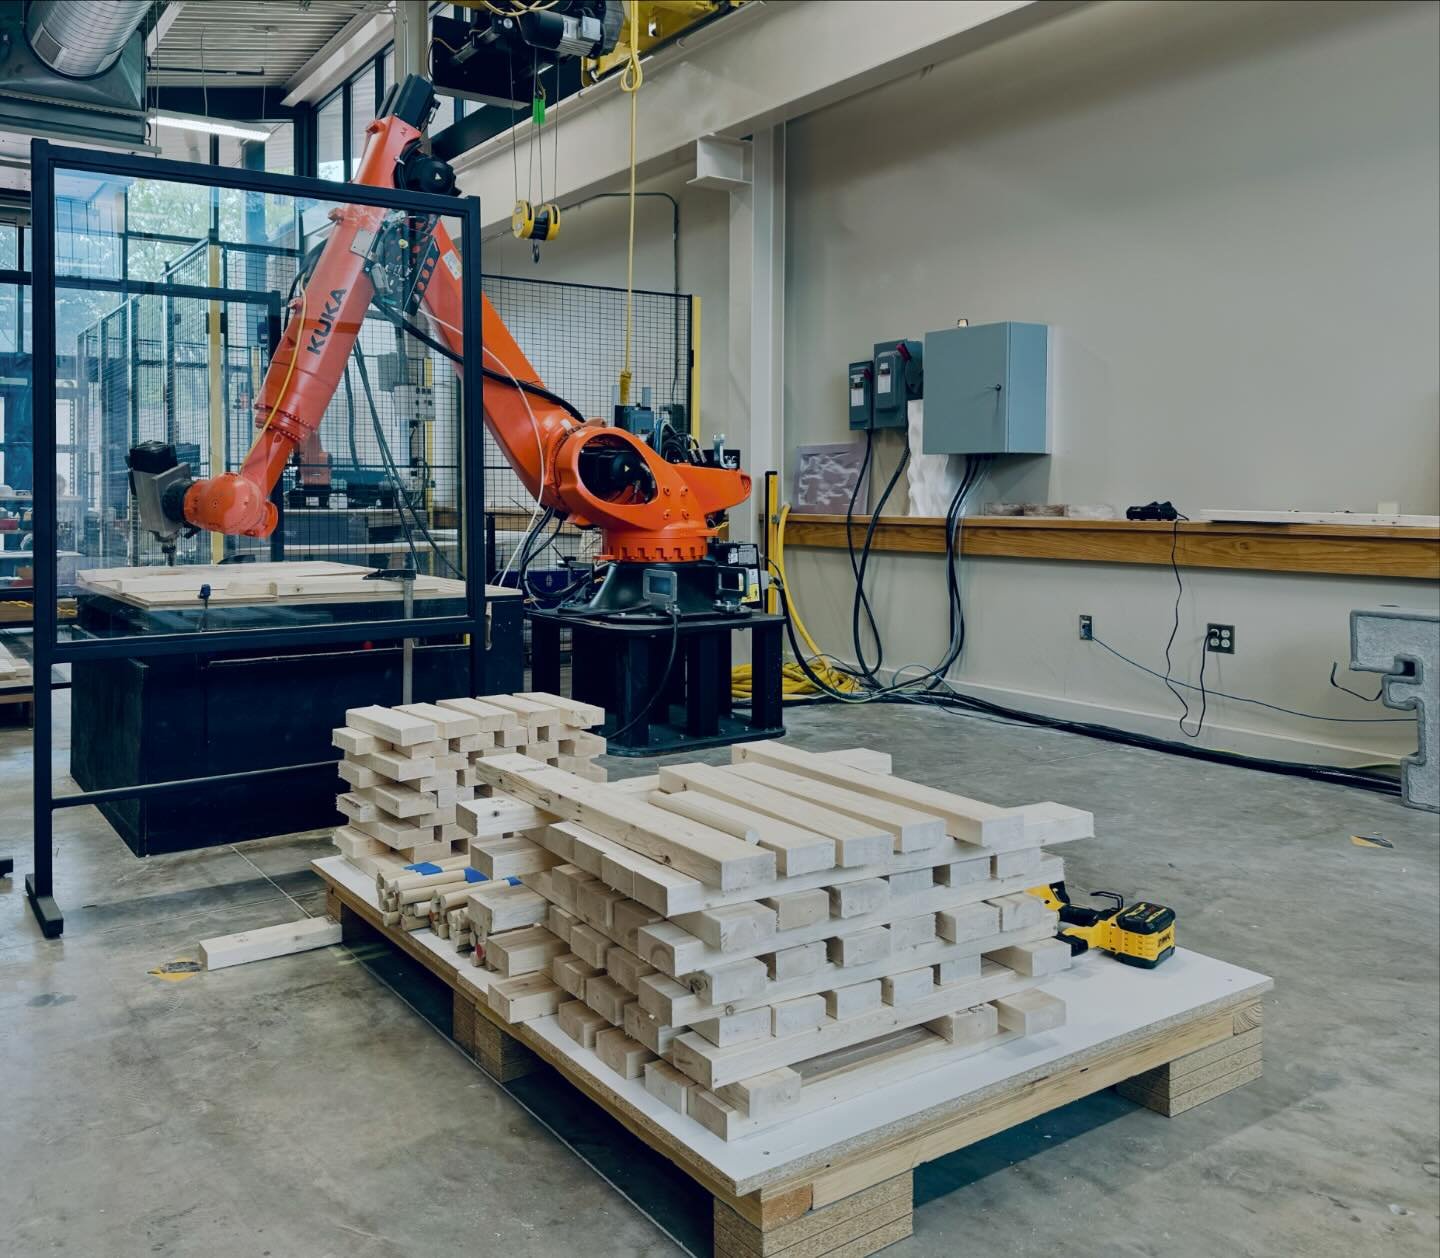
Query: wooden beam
{"x": 1402, "y": 551}
{"x": 269, "y": 941}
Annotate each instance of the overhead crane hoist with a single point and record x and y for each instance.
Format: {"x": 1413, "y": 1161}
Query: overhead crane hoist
{"x": 658, "y": 515}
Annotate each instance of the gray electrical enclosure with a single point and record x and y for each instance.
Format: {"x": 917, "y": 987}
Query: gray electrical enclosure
{"x": 985, "y": 389}
{"x": 899, "y": 380}
{"x": 862, "y": 400}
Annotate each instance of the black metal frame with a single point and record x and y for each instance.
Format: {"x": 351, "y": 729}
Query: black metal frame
{"x": 45, "y": 160}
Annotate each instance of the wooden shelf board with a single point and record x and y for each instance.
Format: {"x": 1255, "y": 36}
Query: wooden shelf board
{"x": 1381, "y": 550}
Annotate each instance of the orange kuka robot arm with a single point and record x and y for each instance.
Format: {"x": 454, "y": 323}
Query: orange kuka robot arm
{"x": 649, "y": 509}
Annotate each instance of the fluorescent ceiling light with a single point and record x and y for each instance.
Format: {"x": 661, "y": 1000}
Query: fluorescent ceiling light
{"x": 209, "y": 126}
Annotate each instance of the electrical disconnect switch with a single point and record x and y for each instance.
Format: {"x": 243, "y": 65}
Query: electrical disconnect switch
{"x": 899, "y": 380}
{"x": 861, "y": 380}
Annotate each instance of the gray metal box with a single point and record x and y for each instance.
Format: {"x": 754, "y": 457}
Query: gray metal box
{"x": 899, "y": 380}
{"x": 985, "y": 389}
{"x": 860, "y": 381}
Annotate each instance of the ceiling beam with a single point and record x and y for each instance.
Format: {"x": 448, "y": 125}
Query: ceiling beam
{"x": 163, "y": 23}
{"x": 235, "y": 104}
{"x": 356, "y": 42}
{"x": 761, "y": 65}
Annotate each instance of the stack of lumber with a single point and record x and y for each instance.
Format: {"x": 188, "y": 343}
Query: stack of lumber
{"x": 767, "y": 938}
{"x": 14, "y": 671}
{"x": 407, "y": 768}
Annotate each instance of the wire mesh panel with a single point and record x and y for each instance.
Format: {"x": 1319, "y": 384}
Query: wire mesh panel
{"x": 574, "y": 336}
{"x": 171, "y": 303}
{"x": 184, "y": 361}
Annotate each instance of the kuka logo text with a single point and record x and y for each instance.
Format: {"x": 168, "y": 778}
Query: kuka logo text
{"x": 325, "y": 324}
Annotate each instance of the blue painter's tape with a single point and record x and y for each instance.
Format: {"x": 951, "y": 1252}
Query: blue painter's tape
{"x": 425, "y": 867}
{"x": 474, "y": 875}
{"x": 514, "y": 882}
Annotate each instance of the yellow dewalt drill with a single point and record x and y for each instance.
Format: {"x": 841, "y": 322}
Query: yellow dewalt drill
{"x": 1142, "y": 934}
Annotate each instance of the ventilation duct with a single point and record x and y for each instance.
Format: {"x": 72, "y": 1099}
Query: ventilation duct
{"x": 82, "y": 40}
{"x": 74, "y": 71}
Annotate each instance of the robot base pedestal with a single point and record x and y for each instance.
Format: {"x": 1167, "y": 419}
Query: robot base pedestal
{"x": 665, "y": 684}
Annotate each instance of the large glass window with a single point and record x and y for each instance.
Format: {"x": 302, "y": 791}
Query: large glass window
{"x": 186, "y": 362}
{"x": 9, "y": 246}
{"x": 330, "y": 139}
{"x": 362, "y": 113}
{"x": 280, "y": 150}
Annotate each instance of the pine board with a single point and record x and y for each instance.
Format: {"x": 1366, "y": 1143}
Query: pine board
{"x": 280, "y": 584}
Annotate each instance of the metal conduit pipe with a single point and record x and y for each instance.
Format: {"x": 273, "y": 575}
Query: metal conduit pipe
{"x": 82, "y": 40}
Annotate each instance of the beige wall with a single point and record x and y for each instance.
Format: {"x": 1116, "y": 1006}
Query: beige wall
{"x": 1228, "y": 215}
{"x": 591, "y": 249}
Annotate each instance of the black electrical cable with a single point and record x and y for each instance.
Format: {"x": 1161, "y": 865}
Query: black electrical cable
{"x": 350, "y": 421}
{"x": 868, "y": 671}
{"x": 933, "y": 676}
{"x": 1260, "y": 703}
{"x": 385, "y": 452}
{"x": 974, "y": 469}
{"x": 402, "y": 499}
{"x": 850, "y": 533}
{"x": 664, "y": 679}
{"x": 527, "y": 386}
{"x": 1319, "y": 772}
{"x": 965, "y": 705}
{"x": 1175, "y": 629}
{"x": 1375, "y": 698}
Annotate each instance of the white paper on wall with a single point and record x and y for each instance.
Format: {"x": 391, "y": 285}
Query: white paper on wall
{"x": 826, "y": 476}
{"x": 931, "y": 479}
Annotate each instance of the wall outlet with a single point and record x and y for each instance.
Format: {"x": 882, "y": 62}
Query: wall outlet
{"x": 1220, "y": 639}
{"x": 1087, "y": 629}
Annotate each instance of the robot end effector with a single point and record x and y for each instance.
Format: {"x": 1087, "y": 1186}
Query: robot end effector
{"x": 158, "y": 484}
{"x": 168, "y": 502}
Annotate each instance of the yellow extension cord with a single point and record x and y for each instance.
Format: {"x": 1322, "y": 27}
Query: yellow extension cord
{"x": 284, "y": 384}
{"x": 794, "y": 685}
{"x": 630, "y": 80}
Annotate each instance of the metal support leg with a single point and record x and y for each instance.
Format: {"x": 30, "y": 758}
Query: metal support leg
{"x": 766, "y": 698}
{"x": 545, "y": 656}
{"x": 724, "y": 666}
{"x": 635, "y": 683}
{"x": 407, "y": 667}
{"x": 702, "y": 699}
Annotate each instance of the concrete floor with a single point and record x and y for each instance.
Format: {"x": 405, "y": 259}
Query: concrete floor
{"x": 301, "y": 1107}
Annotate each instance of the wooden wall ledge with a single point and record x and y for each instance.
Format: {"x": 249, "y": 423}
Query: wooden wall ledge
{"x": 1366, "y": 550}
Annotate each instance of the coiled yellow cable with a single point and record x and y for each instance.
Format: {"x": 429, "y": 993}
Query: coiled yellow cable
{"x": 794, "y": 684}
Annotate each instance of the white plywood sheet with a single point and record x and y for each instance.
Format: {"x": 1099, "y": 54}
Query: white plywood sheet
{"x": 276, "y": 584}
{"x": 1241, "y": 515}
{"x": 1106, "y": 1002}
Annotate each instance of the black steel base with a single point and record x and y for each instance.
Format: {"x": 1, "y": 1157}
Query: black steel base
{"x": 621, "y": 667}
{"x": 46, "y": 911}
{"x": 164, "y": 719}
{"x": 7, "y": 867}
{"x": 622, "y": 592}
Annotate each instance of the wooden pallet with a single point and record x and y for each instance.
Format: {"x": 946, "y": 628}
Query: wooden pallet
{"x": 839, "y": 1183}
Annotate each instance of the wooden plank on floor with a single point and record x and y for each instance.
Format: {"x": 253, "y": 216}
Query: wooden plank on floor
{"x": 269, "y": 941}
